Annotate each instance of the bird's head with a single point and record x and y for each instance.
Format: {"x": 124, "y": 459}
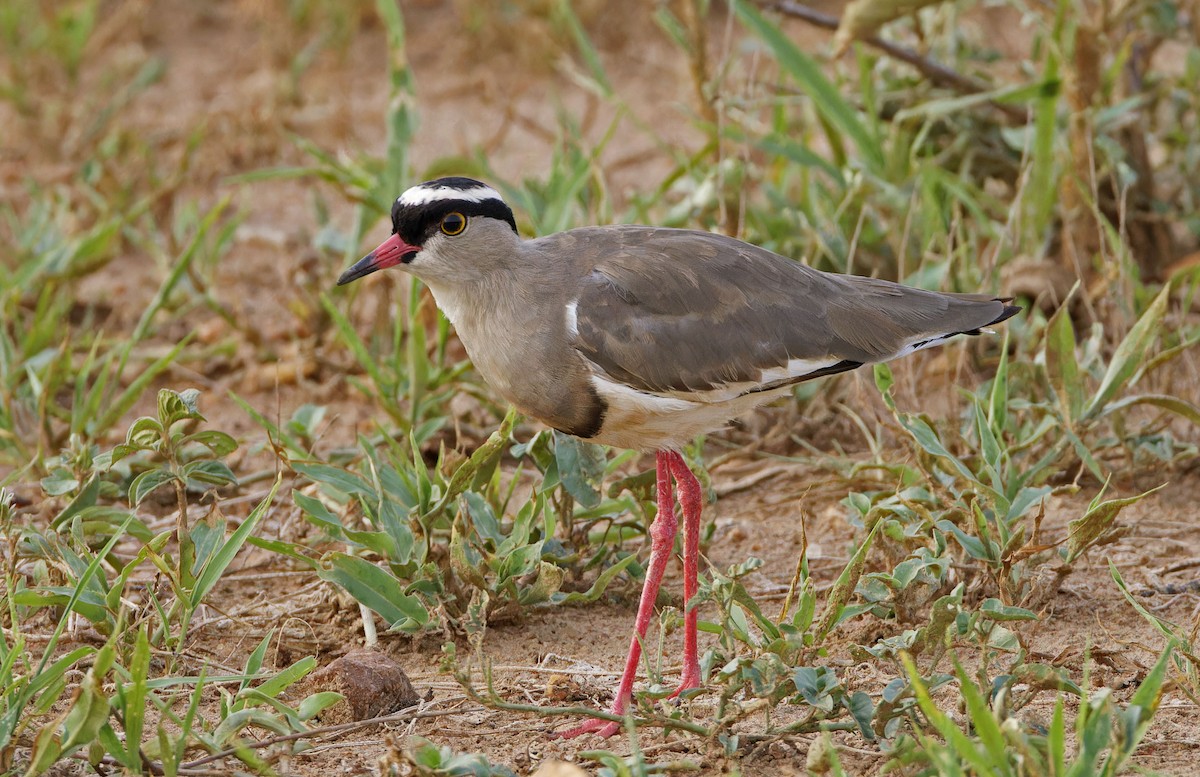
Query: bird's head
{"x": 436, "y": 226}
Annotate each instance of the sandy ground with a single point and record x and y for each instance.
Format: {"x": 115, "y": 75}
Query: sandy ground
{"x": 226, "y": 72}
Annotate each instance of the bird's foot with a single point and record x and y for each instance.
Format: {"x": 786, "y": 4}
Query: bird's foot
{"x": 601, "y": 728}
{"x": 689, "y": 681}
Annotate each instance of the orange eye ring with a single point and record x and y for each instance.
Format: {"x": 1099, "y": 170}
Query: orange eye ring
{"x": 453, "y": 224}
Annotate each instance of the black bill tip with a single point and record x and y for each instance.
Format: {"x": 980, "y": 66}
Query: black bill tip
{"x": 363, "y": 267}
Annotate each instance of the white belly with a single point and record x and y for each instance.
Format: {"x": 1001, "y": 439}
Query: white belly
{"x": 650, "y": 422}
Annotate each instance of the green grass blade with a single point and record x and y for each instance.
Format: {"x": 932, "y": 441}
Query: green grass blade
{"x": 591, "y": 58}
{"x": 179, "y": 269}
{"x": 293, "y": 674}
{"x": 1041, "y": 193}
{"x": 843, "y": 587}
{"x": 384, "y": 388}
{"x": 224, "y": 556}
{"x": 135, "y": 697}
{"x": 984, "y": 722}
{"x": 1130, "y": 353}
{"x": 1177, "y": 405}
{"x": 1056, "y": 739}
{"x": 827, "y": 99}
{"x": 1062, "y": 366}
{"x": 961, "y": 744}
{"x": 401, "y": 118}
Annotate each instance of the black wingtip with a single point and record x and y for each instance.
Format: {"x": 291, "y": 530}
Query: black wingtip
{"x": 1008, "y": 312}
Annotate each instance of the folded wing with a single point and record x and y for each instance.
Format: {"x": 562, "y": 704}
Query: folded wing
{"x": 677, "y": 312}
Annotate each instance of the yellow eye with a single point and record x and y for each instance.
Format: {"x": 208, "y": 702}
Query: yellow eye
{"x": 453, "y": 224}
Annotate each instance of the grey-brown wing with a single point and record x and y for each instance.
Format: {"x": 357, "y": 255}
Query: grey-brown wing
{"x": 675, "y": 310}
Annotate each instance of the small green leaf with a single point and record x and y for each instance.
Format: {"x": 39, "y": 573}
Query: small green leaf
{"x": 1056, "y": 739}
{"x": 315, "y": 511}
{"x": 228, "y": 729}
{"x": 998, "y": 611}
{"x": 59, "y": 483}
{"x": 175, "y": 406}
{"x": 85, "y": 499}
{"x": 315, "y": 508}
{"x": 278, "y": 683}
{"x": 862, "y": 709}
{"x": 218, "y": 443}
{"x": 376, "y": 588}
{"x": 306, "y": 419}
{"x": 602, "y": 582}
{"x": 997, "y": 401}
{"x": 1085, "y": 530}
{"x": 313, "y": 705}
{"x": 482, "y": 517}
{"x": 975, "y": 547}
{"x": 147, "y": 482}
{"x": 884, "y": 382}
{"x": 145, "y": 433}
{"x": 90, "y": 708}
{"x": 135, "y": 696}
{"x": 334, "y": 477}
{"x": 255, "y": 661}
{"x": 581, "y": 467}
{"x": 210, "y": 472}
{"x": 100, "y": 520}
{"x": 396, "y": 525}
{"x": 548, "y": 583}
{"x": 121, "y": 451}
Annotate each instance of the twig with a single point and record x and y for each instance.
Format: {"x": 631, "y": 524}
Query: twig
{"x": 495, "y": 702}
{"x": 934, "y": 71}
{"x": 800, "y": 559}
{"x": 751, "y": 480}
{"x": 1179, "y": 566}
{"x": 803, "y": 727}
{"x": 368, "y": 622}
{"x": 154, "y": 768}
{"x": 404, "y": 714}
{"x": 586, "y": 712}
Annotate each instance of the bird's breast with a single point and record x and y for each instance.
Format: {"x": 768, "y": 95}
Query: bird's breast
{"x": 521, "y": 349}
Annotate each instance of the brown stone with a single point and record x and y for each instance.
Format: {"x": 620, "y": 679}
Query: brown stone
{"x": 372, "y": 683}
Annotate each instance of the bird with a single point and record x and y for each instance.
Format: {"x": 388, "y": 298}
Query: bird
{"x": 644, "y": 337}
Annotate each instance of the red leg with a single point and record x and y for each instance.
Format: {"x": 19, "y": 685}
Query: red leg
{"x": 690, "y": 499}
{"x": 662, "y": 542}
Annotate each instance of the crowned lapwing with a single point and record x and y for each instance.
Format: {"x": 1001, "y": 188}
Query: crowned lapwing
{"x": 644, "y": 337}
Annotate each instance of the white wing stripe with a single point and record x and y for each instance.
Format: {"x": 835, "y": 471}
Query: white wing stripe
{"x": 573, "y": 319}
{"x": 796, "y": 368}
